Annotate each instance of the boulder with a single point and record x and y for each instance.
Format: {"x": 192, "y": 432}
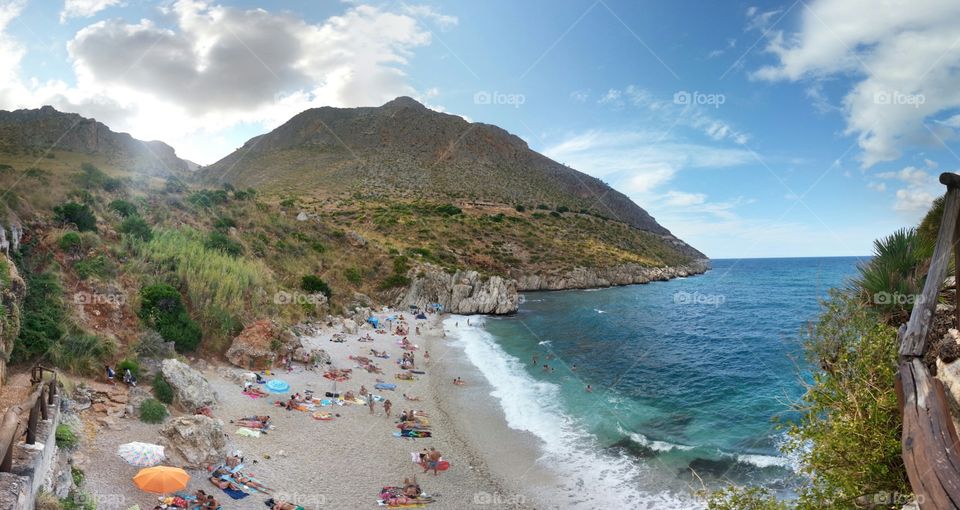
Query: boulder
{"x": 302, "y": 216}
{"x": 253, "y": 348}
{"x": 194, "y": 441}
{"x": 356, "y": 239}
{"x": 350, "y": 326}
{"x": 190, "y": 389}
{"x": 463, "y": 292}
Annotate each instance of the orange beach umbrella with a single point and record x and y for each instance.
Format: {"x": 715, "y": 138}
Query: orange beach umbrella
{"x": 161, "y": 479}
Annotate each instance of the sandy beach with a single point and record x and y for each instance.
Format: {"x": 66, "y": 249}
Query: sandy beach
{"x": 343, "y": 463}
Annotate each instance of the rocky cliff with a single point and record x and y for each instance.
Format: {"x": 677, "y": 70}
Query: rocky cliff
{"x": 467, "y": 292}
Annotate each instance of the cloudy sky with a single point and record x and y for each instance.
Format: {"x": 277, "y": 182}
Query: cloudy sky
{"x": 794, "y": 128}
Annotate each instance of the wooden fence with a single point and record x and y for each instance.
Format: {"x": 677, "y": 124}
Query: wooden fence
{"x": 11, "y": 428}
{"x": 931, "y": 448}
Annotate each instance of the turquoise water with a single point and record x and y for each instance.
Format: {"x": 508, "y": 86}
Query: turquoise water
{"x": 685, "y": 374}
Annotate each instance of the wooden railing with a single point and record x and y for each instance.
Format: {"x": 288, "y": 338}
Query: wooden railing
{"x": 930, "y": 445}
{"x": 43, "y": 395}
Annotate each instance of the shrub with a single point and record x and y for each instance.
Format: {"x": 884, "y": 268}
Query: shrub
{"x": 111, "y": 184}
{"x": 174, "y": 185}
{"x": 244, "y": 194}
{"x": 555, "y": 214}
{"x": 896, "y": 272}
{"x": 313, "y": 283}
{"x": 76, "y": 214}
{"x": 71, "y": 242}
{"x": 123, "y": 208}
{"x": 318, "y": 247}
{"x": 151, "y": 345}
{"x": 395, "y": 280}
{"x": 222, "y": 242}
{"x": 215, "y": 281}
{"x": 137, "y": 228}
{"x": 162, "y": 389}
{"x": 448, "y": 210}
{"x": 91, "y": 177}
{"x": 224, "y": 223}
{"x": 65, "y": 437}
{"x": 162, "y": 308}
{"x": 129, "y": 364}
{"x": 78, "y": 475}
{"x": 353, "y": 275}
{"x": 848, "y": 436}
{"x": 97, "y": 265}
{"x": 81, "y": 353}
{"x": 520, "y": 208}
{"x": 152, "y": 411}
{"x": 79, "y": 500}
{"x": 750, "y": 498}
{"x": 42, "y": 317}
{"x": 47, "y": 501}
{"x": 563, "y": 209}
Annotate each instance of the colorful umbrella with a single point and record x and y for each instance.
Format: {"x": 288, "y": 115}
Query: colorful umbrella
{"x": 161, "y": 479}
{"x": 141, "y": 454}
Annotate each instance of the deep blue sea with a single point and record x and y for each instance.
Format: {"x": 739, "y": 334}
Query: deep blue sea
{"x": 688, "y": 373}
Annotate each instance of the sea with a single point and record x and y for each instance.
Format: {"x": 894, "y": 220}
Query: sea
{"x": 647, "y": 394}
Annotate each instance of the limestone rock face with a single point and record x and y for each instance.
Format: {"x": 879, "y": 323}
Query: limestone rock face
{"x": 589, "y": 278}
{"x": 463, "y": 292}
{"x": 194, "y": 441}
{"x": 253, "y": 348}
{"x": 191, "y": 390}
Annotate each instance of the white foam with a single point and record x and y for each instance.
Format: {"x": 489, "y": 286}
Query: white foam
{"x": 764, "y": 461}
{"x": 600, "y": 480}
{"x": 658, "y": 446}
{"x": 599, "y": 310}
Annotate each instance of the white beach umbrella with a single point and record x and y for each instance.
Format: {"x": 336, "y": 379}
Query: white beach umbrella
{"x": 141, "y": 454}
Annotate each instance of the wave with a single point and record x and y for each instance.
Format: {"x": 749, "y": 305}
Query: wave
{"x": 534, "y": 406}
{"x": 599, "y": 310}
{"x": 544, "y": 342}
{"x": 657, "y": 446}
{"x": 764, "y": 461}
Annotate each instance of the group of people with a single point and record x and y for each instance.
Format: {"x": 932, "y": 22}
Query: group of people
{"x": 128, "y": 377}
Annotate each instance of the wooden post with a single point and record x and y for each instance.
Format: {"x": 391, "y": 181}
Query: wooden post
{"x": 42, "y": 404}
{"x": 32, "y": 425}
{"x": 956, "y": 276}
{"x": 914, "y": 340}
{"x": 52, "y": 393}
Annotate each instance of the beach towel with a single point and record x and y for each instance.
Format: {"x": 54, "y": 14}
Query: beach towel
{"x": 322, "y": 416}
{"x": 235, "y": 494}
{"x": 412, "y": 433}
{"x": 385, "y": 386}
{"x": 253, "y": 395}
{"x": 244, "y": 431}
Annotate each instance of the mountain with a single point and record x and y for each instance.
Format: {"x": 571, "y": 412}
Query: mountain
{"x": 40, "y": 131}
{"x": 405, "y": 149}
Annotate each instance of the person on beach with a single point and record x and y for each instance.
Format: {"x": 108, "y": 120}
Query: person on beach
{"x": 458, "y": 381}
{"x": 211, "y": 503}
{"x": 386, "y": 407}
{"x": 370, "y": 403}
{"x": 111, "y": 375}
{"x": 433, "y": 459}
{"x": 411, "y": 488}
{"x": 411, "y": 398}
{"x": 589, "y": 389}
{"x": 426, "y": 357}
{"x": 363, "y": 391}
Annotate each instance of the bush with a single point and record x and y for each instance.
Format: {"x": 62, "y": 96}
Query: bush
{"x": 78, "y": 475}
{"x": 448, "y": 210}
{"x": 79, "y": 500}
{"x": 563, "y": 209}
{"x": 152, "y": 411}
{"x": 129, "y": 364}
{"x": 353, "y": 275}
{"x": 43, "y": 316}
{"x": 223, "y": 242}
{"x": 224, "y": 223}
{"x": 97, "y": 265}
{"x": 71, "y": 242}
{"x": 151, "y": 345}
{"x": 123, "y": 208}
{"x": 318, "y": 247}
{"x": 111, "y": 184}
{"x": 65, "y": 437}
{"x": 136, "y": 227}
{"x": 174, "y": 185}
{"x": 80, "y": 215}
{"x": 750, "y": 498}
{"x": 162, "y": 308}
{"x": 897, "y": 271}
{"x": 395, "y": 280}
{"x": 81, "y": 353}
{"x": 162, "y": 389}
{"x": 312, "y": 283}
{"x": 848, "y": 436}
{"x": 91, "y": 177}
{"x": 520, "y": 208}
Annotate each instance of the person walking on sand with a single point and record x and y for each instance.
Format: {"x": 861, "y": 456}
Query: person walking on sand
{"x": 433, "y": 460}
{"x": 426, "y": 357}
{"x": 370, "y": 403}
{"x": 386, "y": 407}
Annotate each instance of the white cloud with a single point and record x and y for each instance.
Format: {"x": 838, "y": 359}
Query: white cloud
{"x": 877, "y": 186}
{"x": 903, "y": 56}
{"x": 683, "y": 199}
{"x": 84, "y": 8}
{"x": 919, "y": 189}
{"x": 580, "y": 96}
{"x": 216, "y": 68}
{"x": 444, "y": 21}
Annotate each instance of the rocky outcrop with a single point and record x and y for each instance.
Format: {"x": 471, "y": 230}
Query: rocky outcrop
{"x": 190, "y": 389}
{"x": 463, "y": 292}
{"x": 12, "y": 291}
{"x": 591, "y": 278}
{"x": 255, "y": 348}
{"x": 467, "y": 292}
{"x": 194, "y": 441}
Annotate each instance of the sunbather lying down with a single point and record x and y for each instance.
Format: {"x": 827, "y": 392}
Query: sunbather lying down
{"x": 282, "y": 505}
{"x": 236, "y": 481}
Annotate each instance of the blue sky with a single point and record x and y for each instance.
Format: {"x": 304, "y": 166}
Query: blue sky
{"x": 749, "y": 129}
